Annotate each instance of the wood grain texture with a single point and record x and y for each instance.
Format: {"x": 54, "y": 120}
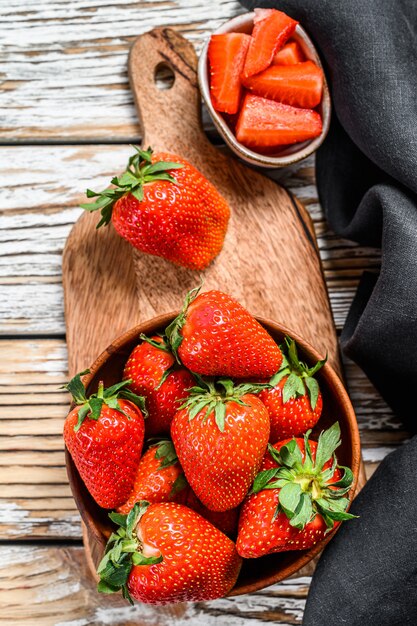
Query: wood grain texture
{"x": 89, "y": 63}
{"x": 50, "y": 586}
{"x": 34, "y": 227}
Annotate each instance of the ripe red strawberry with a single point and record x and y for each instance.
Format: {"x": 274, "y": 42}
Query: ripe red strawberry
{"x": 290, "y": 54}
{"x": 215, "y": 336}
{"x": 226, "y": 521}
{"x": 265, "y": 124}
{"x": 294, "y": 403}
{"x": 220, "y": 435}
{"x": 163, "y": 206}
{"x": 164, "y": 553}
{"x": 299, "y": 496}
{"x": 104, "y": 435}
{"x": 159, "y": 478}
{"x": 300, "y": 85}
{"x": 226, "y": 55}
{"x": 271, "y": 30}
{"x": 156, "y": 376}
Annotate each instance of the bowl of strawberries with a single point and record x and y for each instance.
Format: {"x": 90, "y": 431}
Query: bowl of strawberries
{"x": 263, "y": 83}
{"x": 210, "y": 453}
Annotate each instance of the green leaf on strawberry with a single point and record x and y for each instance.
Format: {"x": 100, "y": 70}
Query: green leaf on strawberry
{"x": 123, "y": 552}
{"x": 91, "y": 407}
{"x": 306, "y": 482}
{"x": 299, "y": 376}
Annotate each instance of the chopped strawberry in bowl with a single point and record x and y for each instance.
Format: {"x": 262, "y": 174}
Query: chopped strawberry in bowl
{"x": 264, "y": 86}
{"x": 210, "y": 453}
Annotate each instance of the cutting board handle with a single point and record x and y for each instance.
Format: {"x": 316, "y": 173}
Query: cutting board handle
{"x": 160, "y": 109}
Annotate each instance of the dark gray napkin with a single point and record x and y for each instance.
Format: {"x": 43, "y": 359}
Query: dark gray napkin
{"x": 367, "y": 182}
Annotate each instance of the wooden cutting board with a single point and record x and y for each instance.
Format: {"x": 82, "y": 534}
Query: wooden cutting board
{"x": 270, "y": 261}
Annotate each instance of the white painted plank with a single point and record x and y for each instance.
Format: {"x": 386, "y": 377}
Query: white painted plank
{"x": 64, "y": 64}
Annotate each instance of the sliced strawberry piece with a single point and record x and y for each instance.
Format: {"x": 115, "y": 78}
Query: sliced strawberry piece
{"x": 226, "y": 54}
{"x": 265, "y": 123}
{"x": 271, "y": 30}
{"x": 290, "y": 54}
{"x": 300, "y": 85}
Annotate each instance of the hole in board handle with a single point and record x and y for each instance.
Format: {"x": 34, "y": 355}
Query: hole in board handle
{"x": 164, "y": 76}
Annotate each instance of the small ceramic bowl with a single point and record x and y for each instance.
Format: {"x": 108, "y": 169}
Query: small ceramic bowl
{"x": 289, "y": 154}
{"x": 255, "y": 573}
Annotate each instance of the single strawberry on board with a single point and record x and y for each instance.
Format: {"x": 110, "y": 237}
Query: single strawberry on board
{"x": 214, "y": 335}
{"x": 159, "y": 477}
{"x": 226, "y": 56}
{"x": 264, "y": 124}
{"x": 294, "y": 402}
{"x": 220, "y": 434}
{"x": 104, "y": 434}
{"x": 163, "y": 206}
{"x": 297, "y": 498}
{"x": 271, "y": 30}
{"x": 300, "y": 85}
{"x": 156, "y": 375}
{"x": 166, "y": 553}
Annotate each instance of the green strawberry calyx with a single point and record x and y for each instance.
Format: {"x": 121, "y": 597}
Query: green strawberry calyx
{"x": 139, "y": 171}
{"x": 91, "y": 407}
{"x": 165, "y": 347}
{"x": 166, "y": 454}
{"x": 305, "y": 488}
{"x": 173, "y": 331}
{"x": 212, "y": 396}
{"x": 124, "y": 549}
{"x": 300, "y": 377}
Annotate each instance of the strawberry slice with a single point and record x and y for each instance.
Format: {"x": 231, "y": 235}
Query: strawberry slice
{"x": 265, "y": 123}
{"x": 290, "y": 54}
{"x": 271, "y": 30}
{"x": 300, "y": 85}
{"x": 226, "y": 54}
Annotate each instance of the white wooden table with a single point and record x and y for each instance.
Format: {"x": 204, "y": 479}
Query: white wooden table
{"x": 67, "y": 117}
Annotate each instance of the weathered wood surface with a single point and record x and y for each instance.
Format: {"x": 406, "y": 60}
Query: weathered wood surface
{"x": 64, "y": 81}
{"x": 39, "y": 204}
{"x": 50, "y": 586}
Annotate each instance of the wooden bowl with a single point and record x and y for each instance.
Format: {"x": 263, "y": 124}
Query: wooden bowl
{"x": 255, "y": 573}
{"x": 286, "y": 155}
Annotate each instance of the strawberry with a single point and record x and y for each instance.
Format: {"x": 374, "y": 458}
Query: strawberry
{"x": 104, "y": 435}
{"x": 215, "y": 336}
{"x": 226, "y": 521}
{"x": 271, "y": 30}
{"x": 300, "y": 85}
{"x": 220, "y": 434}
{"x": 297, "y": 498}
{"x": 156, "y": 376}
{"x": 294, "y": 402}
{"x": 226, "y": 55}
{"x": 164, "y": 553}
{"x": 290, "y": 54}
{"x": 159, "y": 477}
{"x": 163, "y": 206}
{"x": 264, "y": 124}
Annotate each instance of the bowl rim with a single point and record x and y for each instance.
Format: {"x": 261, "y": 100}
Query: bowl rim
{"x": 250, "y": 156}
{"x": 151, "y": 326}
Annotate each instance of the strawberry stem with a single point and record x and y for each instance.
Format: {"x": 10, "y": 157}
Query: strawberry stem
{"x": 139, "y": 172}
{"x": 123, "y": 551}
{"x": 305, "y": 489}
{"x": 91, "y": 407}
{"x": 300, "y": 378}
